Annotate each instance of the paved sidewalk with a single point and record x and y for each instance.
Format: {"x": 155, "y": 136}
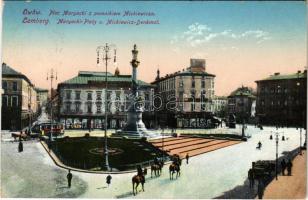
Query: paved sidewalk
{"x": 290, "y": 187}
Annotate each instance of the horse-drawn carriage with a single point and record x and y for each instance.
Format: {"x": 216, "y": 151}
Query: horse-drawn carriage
{"x": 263, "y": 168}
{"x": 20, "y": 135}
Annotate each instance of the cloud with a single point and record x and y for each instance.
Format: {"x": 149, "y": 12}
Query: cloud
{"x": 198, "y": 34}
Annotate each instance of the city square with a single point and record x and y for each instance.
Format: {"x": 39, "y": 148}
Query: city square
{"x": 109, "y": 100}
{"x": 224, "y": 162}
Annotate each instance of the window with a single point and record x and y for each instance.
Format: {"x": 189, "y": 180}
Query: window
{"x": 203, "y": 106}
{"x": 193, "y": 95}
{"x": 181, "y": 96}
{"x": 68, "y": 107}
{"x": 4, "y": 100}
{"x": 89, "y": 96}
{"x": 202, "y": 83}
{"x": 99, "y": 108}
{"x": 193, "y": 100}
{"x": 68, "y": 94}
{"x": 4, "y": 85}
{"x": 193, "y": 83}
{"x": 146, "y": 97}
{"x": 98, "y": 95}
{"x": 285, "y": 102}
{"x": 108, "y": 96}
{"x": 14, "y": 101}
{"x": 77, "y": 95}
{"x": 14, "y": 86}
{"x": 192, "y": 106}
{"x": 181, "y": 82}
{"x": 89, "y": 108}
{"x": 77, "y": 107}
{"x": 118, "y": 95}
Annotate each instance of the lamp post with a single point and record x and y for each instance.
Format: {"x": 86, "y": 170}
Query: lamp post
{"x": 103, "y": 53}
{"x": 276, "y": 165}
{"x": 29, "y": 107}
{"x": 51, "y": 77}
{"x": 162, "y": 133}
{"x": 243, "y": 113}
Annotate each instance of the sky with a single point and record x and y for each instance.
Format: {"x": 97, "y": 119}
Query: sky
{"x": 241, "y": 41}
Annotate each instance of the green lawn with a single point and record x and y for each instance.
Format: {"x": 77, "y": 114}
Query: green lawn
{"x": 77, "y": 152}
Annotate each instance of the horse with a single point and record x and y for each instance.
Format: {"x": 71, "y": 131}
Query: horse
{"x": 157, "y": 168}
{"x": 137, "y": 179}
{"x": 174, "y": 167}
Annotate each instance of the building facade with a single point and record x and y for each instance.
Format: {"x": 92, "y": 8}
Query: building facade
{"x": 184, "y": 98}
{"x": 282, "y": 99}
{"x": 240, "y": 104}
{"x": 19, "y": 103}
{"x": 42, "y": 97}
{"x": 82, "y": 100}
{"x": 220, "y": 106}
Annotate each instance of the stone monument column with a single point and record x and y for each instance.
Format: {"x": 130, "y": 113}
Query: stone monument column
{"x": 135, "y": 126}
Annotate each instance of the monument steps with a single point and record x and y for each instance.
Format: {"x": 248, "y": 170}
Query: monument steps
{"x": 175, "y": 142}
{"x": 188, "y": 144}
{"x": 154, "y": 141}
{"x": 205, "y": 146}
{"x": 207, "y": 149}
{"x": 192, "y": 145}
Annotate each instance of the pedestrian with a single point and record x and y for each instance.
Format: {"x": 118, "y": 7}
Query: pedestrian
{"x": 283, "y": 166}
{"x": 20, "y": 146}
{"x": 289, "y": 167}
{"x": 187, "y": 157}
{"x": 108, "y": 180}
{"x": 69, "y": 177}
{"x": 251, "y": 178}
{"x": 260, "y": 188}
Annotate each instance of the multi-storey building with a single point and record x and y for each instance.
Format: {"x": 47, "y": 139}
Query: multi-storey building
{"x": 282, "y": 99}
{"x": 19, "y": 104}
{"x": 42, "y": 96}
{"x": 184, "y": 98}
{"x": 82, "y": 100}
{"x": 240, "y": 104}
{"x": 219, "y": 106}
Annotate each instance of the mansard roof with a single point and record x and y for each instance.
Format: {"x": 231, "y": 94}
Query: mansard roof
{"x": 84, "y": 77}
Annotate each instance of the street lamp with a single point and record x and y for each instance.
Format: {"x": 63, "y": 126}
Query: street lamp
{"x": 162, "y": 133}
{"x": 29, "y": 107}
{"x": 243, "y": 113}
{"x": 103, "y": 53}
{"x": 51, "y": 77}
{"x": 276, "y": 165}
